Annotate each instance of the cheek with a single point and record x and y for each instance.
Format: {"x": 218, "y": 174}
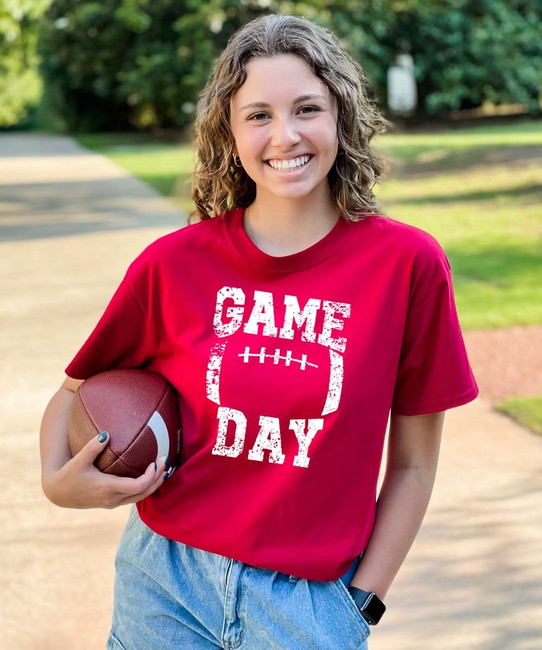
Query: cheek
{"x": 325, "y": 134}
{"x": 250, "y": 144}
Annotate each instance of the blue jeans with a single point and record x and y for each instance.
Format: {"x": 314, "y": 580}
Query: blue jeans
{"x": 171, "y": 595}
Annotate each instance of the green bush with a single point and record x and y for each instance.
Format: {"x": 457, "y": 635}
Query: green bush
{"x": 20, "y": 84}
{"x": 466, "y": 52}
{"x": 134, "y": 63}
{"x": 114, "y": 64}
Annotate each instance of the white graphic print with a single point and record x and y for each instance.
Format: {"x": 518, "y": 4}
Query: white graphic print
{"x": 224, "y": 416}
{"x": 276, "y": 356}
{"x": 268, "y": 438}
{"x": 302, "y": 459}
{"x": 213, "y": 371}
{"x": 316, "y": 323}
{"x": 335, "y": 383}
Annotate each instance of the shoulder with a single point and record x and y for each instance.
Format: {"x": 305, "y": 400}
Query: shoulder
{"x": 408, "y": 247}
{"x": 175, "y": 256}
{"x": 180, "y": 245}
{"x": 196, "y": 234}
{"x": 400, "y": 239}
{"x": 403, "y": 237}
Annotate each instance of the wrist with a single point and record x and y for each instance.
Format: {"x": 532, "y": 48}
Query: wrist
{"x": 368, "y": 603}
{"x": 370, "y": 586}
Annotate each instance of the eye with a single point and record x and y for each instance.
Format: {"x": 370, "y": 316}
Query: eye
{"x": 257, "y": 117}
{"x": 310, "y": 108}
{"x": 254, "y": 117}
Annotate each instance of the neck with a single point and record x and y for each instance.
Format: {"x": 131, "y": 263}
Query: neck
{"x": 284, "y": 228}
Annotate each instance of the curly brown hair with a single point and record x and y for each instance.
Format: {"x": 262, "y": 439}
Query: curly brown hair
{"x": 218, "y": 185}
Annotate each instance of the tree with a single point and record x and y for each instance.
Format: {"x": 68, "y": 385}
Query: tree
{"x": 142, "y": 63}
{"x": 125, "y": 63}
{"x": 20, "y": 84}
{"x": 465, "y": 51}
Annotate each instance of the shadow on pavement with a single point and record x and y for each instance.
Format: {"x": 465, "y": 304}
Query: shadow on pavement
{"x": 482, "y": 579}
{"x": 61, "y": 209}
{"x": 38, "y": 145}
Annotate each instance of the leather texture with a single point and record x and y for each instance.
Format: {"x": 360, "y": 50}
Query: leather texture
{"x": 121, "y": 402}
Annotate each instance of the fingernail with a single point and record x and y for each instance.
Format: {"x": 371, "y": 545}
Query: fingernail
{"x": 102, "y": 437}
{"x": 167, "y": 461}
{"x": 166, "y": 476}
{"x": 155, "y": 467}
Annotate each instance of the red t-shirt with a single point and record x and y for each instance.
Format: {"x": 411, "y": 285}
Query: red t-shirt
{"x": 287, "y": 368}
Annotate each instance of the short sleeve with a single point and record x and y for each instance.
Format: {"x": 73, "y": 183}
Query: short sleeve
{"x": 434, "y": 372}
{"x": 123, "y": 337}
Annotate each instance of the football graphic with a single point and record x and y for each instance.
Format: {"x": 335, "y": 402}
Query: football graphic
{"x": 293, "y": 350}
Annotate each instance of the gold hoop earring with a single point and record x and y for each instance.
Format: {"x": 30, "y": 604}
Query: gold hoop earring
{"x": 235, "y": 159}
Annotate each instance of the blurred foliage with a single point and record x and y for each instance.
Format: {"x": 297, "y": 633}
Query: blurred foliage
{"x": 117, "y": 64}
{"x": 466, "y": 52}
{"x": 139, "y": 63}
{"x": 20, "y": 83}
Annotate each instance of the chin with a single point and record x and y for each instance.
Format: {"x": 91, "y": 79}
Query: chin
{"x": 293, "y": 192}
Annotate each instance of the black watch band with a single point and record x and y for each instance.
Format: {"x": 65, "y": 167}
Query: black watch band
{"x": 369, "y": 604}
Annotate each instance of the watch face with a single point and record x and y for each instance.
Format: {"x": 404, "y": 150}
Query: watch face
{"x": 373, "y": 609}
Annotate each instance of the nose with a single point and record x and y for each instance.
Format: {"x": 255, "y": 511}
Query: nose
{"x": 285, "y": 132}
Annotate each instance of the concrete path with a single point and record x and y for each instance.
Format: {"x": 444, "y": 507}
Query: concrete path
{"x": 70, "y": 223}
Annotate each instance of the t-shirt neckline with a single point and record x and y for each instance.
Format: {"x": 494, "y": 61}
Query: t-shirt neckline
{"x": 306, "y": 257}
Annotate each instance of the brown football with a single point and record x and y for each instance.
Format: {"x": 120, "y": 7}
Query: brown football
{"x": 140, "y": 412}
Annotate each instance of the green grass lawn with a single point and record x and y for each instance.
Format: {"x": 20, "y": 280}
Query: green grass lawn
{"x": 526, "y": 410}
{"x": 477, "y": 190}
{"x": 433, "y": 146}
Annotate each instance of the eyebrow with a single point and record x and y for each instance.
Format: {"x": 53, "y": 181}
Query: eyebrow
{"x": 302, "y": 98}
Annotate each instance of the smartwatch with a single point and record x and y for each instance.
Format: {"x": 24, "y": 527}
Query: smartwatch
{"x": 369, "y": 604}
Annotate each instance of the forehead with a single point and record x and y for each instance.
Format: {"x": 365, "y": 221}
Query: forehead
{"x": 272, "y": 78}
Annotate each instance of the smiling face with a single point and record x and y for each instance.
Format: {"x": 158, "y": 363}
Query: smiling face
{"x": 284, "y": 122}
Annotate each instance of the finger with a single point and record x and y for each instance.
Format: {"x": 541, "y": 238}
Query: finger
{"x": 93, "y": 448}
{"x": 134, "y": 498}
{"x": 157, "y": 483}
{"x": 135, "y": 486}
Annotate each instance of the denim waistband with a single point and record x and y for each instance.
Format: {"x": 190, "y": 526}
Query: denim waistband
{"x": 346, "y": 577}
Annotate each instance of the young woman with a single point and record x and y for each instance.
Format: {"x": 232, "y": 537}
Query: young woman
{"x": 293, "y": 320}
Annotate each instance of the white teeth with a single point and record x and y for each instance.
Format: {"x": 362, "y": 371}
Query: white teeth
{"x": 283, "y": 165}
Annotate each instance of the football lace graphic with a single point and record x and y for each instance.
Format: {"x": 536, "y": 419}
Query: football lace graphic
{"x": 277, "y": 357}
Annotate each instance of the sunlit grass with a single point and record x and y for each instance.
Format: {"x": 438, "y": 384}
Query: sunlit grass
{"x": 412, "y": 146}
{"x": 526, "y": 410}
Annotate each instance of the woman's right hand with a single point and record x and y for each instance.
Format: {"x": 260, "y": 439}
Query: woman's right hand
{"x": 75, "y": 482}
{"x": 80, "y": 484}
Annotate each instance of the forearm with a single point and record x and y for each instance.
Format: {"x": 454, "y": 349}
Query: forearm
{"x": 54, "y": 447}
{"x": 401, "y": 507}
{"x": 413, "y": 450}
